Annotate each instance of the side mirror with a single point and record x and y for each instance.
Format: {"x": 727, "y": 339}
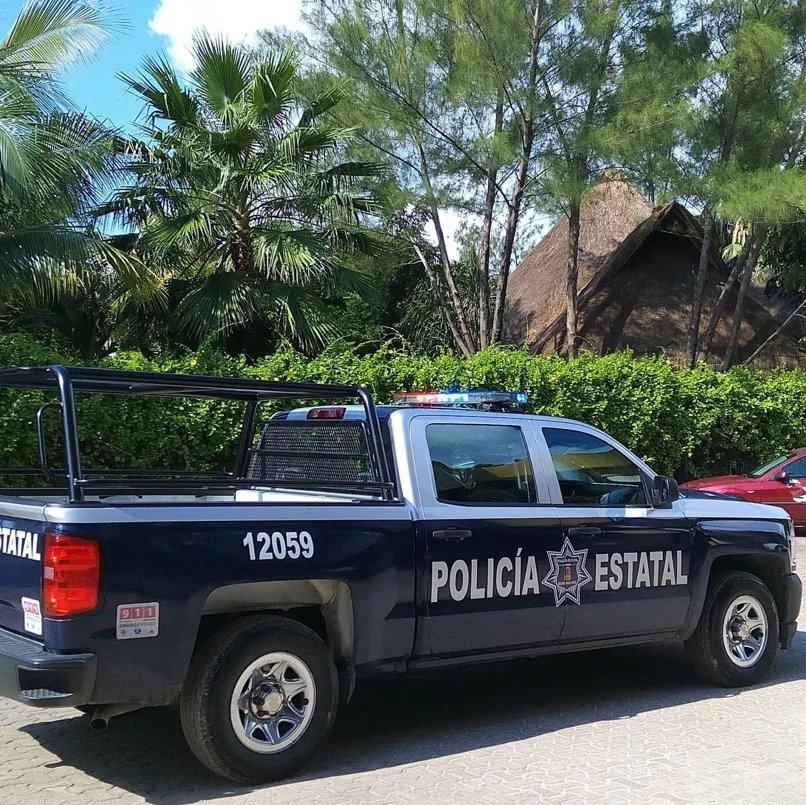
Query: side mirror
{"x": 782, "y": 476}
{"x": 664, "y": 491}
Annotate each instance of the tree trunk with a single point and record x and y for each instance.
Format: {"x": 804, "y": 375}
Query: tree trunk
{"x": 699, "y": 289}
{"x": 509, "y": 240}
{"x": 463, "y": 347}
{"x": 722, "y": 301}
{"x": 483, "y": 273}
{"x": 453, "y": 292}
{"x": 527, "y": 142}
{"x": 777, "y": 332}
{"x": 744, "y": 286}
{"x": 571, "y": 278}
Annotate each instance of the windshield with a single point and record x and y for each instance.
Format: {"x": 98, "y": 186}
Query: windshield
{"x": 768, "y": 466}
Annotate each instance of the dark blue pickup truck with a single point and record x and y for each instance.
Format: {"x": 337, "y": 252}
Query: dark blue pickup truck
{"x": 348, "y": 541}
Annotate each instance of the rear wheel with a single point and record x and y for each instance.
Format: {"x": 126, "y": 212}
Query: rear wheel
{"x": 736, "y": 639}
{"x": 260, "y": 698}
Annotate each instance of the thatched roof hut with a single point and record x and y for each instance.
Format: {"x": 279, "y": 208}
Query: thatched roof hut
{"x": 637, "y": 268}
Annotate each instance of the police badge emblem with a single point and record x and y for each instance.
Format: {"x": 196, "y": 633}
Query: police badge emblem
{"x": 567, "y": 573}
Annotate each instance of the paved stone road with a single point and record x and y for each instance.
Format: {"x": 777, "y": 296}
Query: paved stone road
{"x": 614, "y": 726}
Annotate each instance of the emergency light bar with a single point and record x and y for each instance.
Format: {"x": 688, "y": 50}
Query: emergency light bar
{"x": 491, "y": 400}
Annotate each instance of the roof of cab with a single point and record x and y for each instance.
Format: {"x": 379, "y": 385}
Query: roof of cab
{"x": 385, "y": 411}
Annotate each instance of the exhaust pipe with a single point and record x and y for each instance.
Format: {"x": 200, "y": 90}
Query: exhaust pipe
{"x": 101, "y": 715}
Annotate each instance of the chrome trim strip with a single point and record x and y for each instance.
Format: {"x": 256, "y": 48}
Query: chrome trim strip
{"x": 22, "y": 508}
{"x": 466, "y": 513}
{"x": 225, "y": 512}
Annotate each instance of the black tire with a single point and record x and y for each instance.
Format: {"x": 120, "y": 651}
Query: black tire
{"x": 208, "y": 691}
{"x": 706, "y": 648}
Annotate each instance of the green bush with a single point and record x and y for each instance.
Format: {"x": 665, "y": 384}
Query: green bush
{"x": 686, "y": 422}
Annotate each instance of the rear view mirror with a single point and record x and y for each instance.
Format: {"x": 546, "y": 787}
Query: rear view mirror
{"x": 664, "y": 491}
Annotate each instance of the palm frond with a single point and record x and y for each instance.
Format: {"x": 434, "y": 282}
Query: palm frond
{"x": 354, "y": 241}
{"x": 303, "y": 144}
{"x": 158, "y": 84}
{"x": 132, "y": 275}
{"x": 39, "y": 262}
{"x": 303, "y": 315}
{"x": 221, "y": 75}
{"x": 56, "y": 33}
{"x": 291, "y": 256}
{"x": 16, "y": 156}
{"x": 352, "y": 280}
{"x": 323, "y": 103}
{"x": 164, "y": 233}
{"x": 77, "y": 157}
{"x": 335, "y": 175}
{"x": 235, "y": 145}
{"x": 271, "y": 88}
{"x": 219, "y": 302}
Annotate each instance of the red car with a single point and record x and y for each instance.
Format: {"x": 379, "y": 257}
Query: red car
{"x": 780, "y": 482}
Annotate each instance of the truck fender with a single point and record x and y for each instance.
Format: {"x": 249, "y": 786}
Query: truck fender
{"x": 333, "y": 598}
{"x": 756, "y": 547}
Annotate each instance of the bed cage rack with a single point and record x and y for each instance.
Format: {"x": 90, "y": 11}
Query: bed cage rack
{"x": 78, "y": 483}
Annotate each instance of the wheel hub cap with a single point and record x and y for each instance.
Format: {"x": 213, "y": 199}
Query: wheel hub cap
{"x": 272, "y": 702}
{"x": 740, "y": 631}
{"x": 744, "y": 632}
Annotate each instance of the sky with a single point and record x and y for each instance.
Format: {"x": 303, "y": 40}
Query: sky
{"x": 154, "y": 26}
{"x": 167, "y": 26}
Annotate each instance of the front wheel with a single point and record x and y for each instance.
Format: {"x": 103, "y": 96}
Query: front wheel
{"x": 736, "y": 640}
{"x": 260, "y": 698}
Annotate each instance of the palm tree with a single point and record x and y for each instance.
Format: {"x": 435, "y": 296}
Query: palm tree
{"x": 239, "y": 190}
{"x": 55, "y": 164}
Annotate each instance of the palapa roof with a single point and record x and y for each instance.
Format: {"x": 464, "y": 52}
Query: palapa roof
{"x": 637, "y": 267}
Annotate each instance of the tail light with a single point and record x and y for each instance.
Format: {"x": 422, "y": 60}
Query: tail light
{"x": 70, "y": 575}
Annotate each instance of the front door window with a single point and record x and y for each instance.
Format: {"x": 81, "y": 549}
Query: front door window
{"x": 591, "y": 472}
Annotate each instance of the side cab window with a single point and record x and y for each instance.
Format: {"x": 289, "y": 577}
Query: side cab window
{"x": 592, "y": 472}
{"x": 480, "y": 464}
{"x": 796, "y": 469}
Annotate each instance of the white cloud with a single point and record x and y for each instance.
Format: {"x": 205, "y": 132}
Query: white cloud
{"x": 237, "y": 20}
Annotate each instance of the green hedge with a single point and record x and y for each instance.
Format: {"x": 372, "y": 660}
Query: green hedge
{"x": 686, "y": 422}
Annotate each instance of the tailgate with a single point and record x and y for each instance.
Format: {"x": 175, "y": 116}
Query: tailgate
{"x": 21, "y": 545}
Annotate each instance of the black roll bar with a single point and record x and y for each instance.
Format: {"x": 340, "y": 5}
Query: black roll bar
{"x": 67, "y": 381}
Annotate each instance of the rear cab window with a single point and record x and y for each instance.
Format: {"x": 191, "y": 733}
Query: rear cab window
{"x": 480, "y": 464}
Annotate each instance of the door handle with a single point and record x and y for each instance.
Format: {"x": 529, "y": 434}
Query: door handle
{"x": 584, "y": 531}
{"x": 452, "y": 533}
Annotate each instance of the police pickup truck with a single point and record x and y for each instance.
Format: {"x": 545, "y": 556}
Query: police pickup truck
{"x": 347, "y": 541}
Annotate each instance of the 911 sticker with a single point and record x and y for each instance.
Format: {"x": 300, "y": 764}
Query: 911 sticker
{"x": 138, "y": 620}
{"x": 279, "y": 545}
{"x": 32, "y": 615}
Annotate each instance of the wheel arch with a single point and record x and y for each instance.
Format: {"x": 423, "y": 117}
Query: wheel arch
{"x": 323, "y": 605}
{"x": 770, "y": 568}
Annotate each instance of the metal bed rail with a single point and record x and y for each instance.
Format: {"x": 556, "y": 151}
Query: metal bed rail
{"x": 66, "y": 382}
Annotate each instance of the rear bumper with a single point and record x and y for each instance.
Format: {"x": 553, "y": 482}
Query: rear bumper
{"x": 32, "y": 675}
{"x": 789, "y": 617}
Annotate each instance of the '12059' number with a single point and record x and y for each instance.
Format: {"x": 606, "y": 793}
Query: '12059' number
{"x": 279, "y": 545}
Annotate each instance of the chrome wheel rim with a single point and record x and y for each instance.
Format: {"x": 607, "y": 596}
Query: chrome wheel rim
{"x": 273, "y": 702}
{"x": 744, "y": 631}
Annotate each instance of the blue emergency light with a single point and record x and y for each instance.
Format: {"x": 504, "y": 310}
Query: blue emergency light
{"x": 491, "y": 400}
